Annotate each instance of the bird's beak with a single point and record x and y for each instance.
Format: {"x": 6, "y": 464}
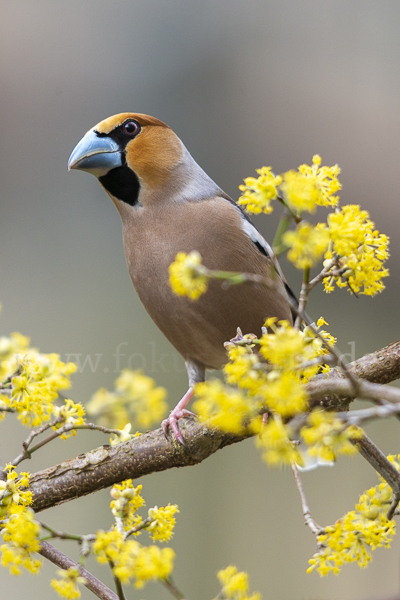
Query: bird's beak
{"x": 95, "y": 154}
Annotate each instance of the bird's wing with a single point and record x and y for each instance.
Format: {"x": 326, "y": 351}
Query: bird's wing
{"x": 262, "y": 245}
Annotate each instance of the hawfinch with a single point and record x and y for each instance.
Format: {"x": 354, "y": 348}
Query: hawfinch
{"x": 168, "y": 204}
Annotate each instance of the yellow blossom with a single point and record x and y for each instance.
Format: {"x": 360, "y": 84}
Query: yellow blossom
{"x": 235, "y": 585}
{"x": 126, "y": 501}
{"x": 21, "y": 532}
{"x": 357, "y": 533}
{"x": 289, "y": 349}
{"x": 326, "y": 180}
{"x": 285, "y": 347}
{"x": 350, "y": 540}
{"x": 145, "y": 399}
{"x": 242, "y": 369}
{"x": 150, "y": 564}
{"x": 185, "y": 276}
{"x": 11, "y": 492}
{"x": 357, "y": 250}
{"x": 123, "y": 436}
{"x": 108, "y": 545}
{"x": 327, "y": 436}
{"x": 222, "y": 406}
{"x": 300, "y": 192}
{"x": 67, "y": 585}
{"x": 162, "y": 522}
{"x": 134, "y": 392}
{"x": 131, "y": 560}
{"x": 276, "y": 447}
{"x": 307, "y": 244}
{"x": 10, "y": 348}
{"x": 34, "y": 389}
{"x": 258, "y": 192}
{"x": 70, "y": 413}
{"x": 285, "y": 394}
{"x": 109, "y": 409}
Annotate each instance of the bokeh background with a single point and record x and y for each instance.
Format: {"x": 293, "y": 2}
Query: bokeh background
{"x": 244, "y": 84}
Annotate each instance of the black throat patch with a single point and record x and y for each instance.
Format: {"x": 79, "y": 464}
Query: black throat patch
{"x": 123, "y": 184}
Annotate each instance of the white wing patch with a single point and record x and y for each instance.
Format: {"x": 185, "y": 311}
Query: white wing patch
{"x": 256, "y": 236}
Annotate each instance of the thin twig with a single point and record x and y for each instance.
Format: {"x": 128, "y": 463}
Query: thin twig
{"x": 309, "y": 521}
{"x": 392, "y": 509}
{"x": 171, "y": 587}
{"x": 63, "y": 561}
{"x": 303, "y": 298}
{"x": 138, "y": 528}
{"x": 378, "y": 461}
{"x": 61, "y": 534}
{"x": 27, "y": 453}
{"x": 117, "y": 581}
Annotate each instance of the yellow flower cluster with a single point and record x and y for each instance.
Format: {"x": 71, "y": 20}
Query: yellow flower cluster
{"x": 350, "y": 540}
{"x": 235, "y": 585}
{"x": 327, "y": 436}
{"x": 21, "y": 532}
{"x": 67, "y": 585}
{"x": 307, "y": 244}
{"x": 126, "y": 501}
{"x": 305, "y": 189}
{"x": 354, "y": 536}
{"x": 185, "y": 276}
{"x": 131, "y": 560}
{"x": 34, "y": 379}
{"x": 275, "y": 445}
{"x": 224, "y": 407}
{"x": 18, "y": 526}
{"x": 353, "y": 251}
{"x": 361, "y": 250}
{"x": 162, "y": 522}
{"x": 10, "y": 348}
{"x": 254, "y": 386}
{"x": 70, "y": 413}
{"x": 312, "y": 186}
{"x": 136, "y": 394}
{"x": 11, "y": 493}
{"x": 259, "y": 192}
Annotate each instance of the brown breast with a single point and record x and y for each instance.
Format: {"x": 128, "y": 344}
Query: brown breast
{"x": 198, "y": 329}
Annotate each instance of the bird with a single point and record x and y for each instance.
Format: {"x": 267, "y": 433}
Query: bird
{"x": 168, "y": 204}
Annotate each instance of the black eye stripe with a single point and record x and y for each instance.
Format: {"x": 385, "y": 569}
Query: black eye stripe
{"x": 119, "y": 134}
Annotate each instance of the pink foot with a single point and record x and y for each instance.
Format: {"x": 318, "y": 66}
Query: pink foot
{"x": 177, "y": 413}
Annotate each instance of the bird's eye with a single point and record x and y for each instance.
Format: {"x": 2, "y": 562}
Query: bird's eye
{"x": 131, "y": 128}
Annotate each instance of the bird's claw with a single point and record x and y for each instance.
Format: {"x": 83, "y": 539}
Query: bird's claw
{"x": 172, "y": 422}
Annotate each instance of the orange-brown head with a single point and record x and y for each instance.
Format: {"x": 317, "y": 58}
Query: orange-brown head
{"x": 129, "y": 153}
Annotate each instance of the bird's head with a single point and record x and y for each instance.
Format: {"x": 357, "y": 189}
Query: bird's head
{"x": 130, "y": 154}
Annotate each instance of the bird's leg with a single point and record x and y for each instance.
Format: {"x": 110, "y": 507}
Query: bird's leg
{"x": 178, "y": 413}
{"x": 196, "y": 373}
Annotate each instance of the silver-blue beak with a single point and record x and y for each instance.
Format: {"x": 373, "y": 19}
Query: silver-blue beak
{"x": 96, "y": 155}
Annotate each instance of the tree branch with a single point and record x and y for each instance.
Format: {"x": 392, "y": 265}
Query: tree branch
{"x": 151, "y": 452}
{"x": 63, "y": 561}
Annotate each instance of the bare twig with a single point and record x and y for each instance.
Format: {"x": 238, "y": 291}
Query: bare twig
{"x": 309, "y": 521}
{"x": 27, "y": 452}
{"x": 171, "y": 587}
{"x": 117, "y": 581}
{"x": 378, "y": 461}
{"x": 138, "y": 528}
{"x": 303, "y": 297}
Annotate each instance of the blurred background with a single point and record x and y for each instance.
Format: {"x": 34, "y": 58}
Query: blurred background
{"x": 244, "y": 84}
